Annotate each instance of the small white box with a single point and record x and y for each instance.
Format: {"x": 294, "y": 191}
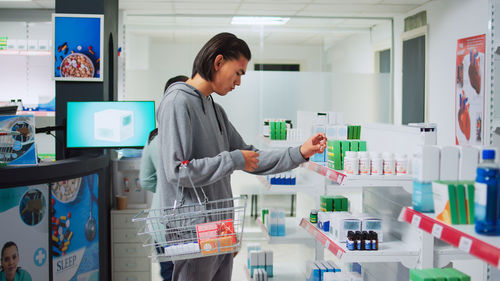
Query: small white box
{"x": 343, "y": 225}
{"x": 341, "y": 132}
{"x": 261, "y": 259}
{"x": 269, "y": 258}
{"x": 425, "y": 163}
{"x": 254, "y": 258}
{"x": 449, "y": 163}
{"x": 467, "y": 163}
{"x": 113, "y": 125}
{"x": 373, "y": 224}
{"x": 331, "y": 132}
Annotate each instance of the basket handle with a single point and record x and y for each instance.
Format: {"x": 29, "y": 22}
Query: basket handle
{"x": 180, "y": 197}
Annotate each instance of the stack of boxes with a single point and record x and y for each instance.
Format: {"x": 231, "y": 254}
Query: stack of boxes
{"x": 336, "y": 150}
{"x": 274, "y": 220}
{"x": 432, "y": 163}
{"x": 259, "y": 262}
{"x": 438, "y": 274}
{"x": 288, "y": 178}
{"x": 330, "y": 203}
{"x": 328, "y": 271}
{"x": 278, "y": 129}
{"x": 454, "y": 201}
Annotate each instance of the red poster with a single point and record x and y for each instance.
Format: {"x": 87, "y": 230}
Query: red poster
{"x": 469, "y": 94}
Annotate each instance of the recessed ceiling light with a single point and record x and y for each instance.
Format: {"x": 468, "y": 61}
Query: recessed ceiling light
{"x": 259, "y": 20}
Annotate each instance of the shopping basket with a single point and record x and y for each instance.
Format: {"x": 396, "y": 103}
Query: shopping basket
{"x": 7, "y": 146}
{"x": 192, "y": 230}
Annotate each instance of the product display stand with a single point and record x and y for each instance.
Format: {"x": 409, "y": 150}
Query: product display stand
{"x": 294, "y": 235}
{"x": 463, "y": 237}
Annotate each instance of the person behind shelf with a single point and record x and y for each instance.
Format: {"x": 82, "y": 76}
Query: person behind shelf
{"x": 147, "y": 177}
{"x": 10, "y": 260}
{"x": 193, "y": 127}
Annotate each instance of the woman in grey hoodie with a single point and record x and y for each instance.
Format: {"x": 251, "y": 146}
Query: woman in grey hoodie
{"x": 193, "y": 127}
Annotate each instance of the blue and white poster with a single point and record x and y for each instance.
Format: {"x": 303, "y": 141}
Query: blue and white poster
{"x": 24, "y": 239}
{"x": 17, "y": 140}
{"x": 78, "y": 46}
{"x": 74, "y": 229}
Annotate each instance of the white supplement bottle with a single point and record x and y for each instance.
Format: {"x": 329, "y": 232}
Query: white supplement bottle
{"x": 389, "y": 164}
{"x": 351, "y": 163}
{"x": 376, "y": 164}
{"x": 364, "y": 163}
{"x": 401, "y": 164}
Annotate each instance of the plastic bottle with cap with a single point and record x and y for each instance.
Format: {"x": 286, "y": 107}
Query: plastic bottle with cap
{"x": 389, "y": 163}
{"x": 486, "y": 195}
{"x": 376, "y": 163}
{"x": 401, "y": 164}
{"x": 351, "y": 163}
{"x": 364, "y": 163}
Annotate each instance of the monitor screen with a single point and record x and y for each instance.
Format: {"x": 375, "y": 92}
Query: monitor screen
{"x": 109, "y": 124}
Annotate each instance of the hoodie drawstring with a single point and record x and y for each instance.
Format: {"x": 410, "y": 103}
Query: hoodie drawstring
{"x": 216, "y": 115}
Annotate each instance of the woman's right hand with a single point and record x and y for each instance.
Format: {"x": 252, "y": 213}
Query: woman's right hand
{"x": 251, "y": 160}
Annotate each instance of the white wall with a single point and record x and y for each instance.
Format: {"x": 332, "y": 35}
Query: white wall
{"x": 352, "y": 55}
{"x": 448, "y": 21}
{"x": 151, "y": 61}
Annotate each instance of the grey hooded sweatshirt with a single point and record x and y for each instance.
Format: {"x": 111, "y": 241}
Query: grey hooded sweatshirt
{"x": 193, "y": 127}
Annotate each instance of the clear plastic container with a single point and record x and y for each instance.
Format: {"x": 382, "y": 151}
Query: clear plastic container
{"x": 351, "y": 163}
{"x": 486, "y": 195}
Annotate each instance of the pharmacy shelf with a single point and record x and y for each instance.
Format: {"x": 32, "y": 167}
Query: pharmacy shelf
{"x": 389, "y": 251}
{"x": 293, "y": 233}
{"x": 343, "y": 179}
{"x": 463, "y": 237}
{"x": 280, "y": 274}
{"x": 284, "y": 189}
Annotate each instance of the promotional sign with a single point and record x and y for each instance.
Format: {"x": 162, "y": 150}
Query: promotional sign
{"x": 17, "y": 140}
{"x": 24, "y": 215}
{"x": 78, "y": 46}
{"x": 74, "y": 229}
{"x": 469, "y": 95}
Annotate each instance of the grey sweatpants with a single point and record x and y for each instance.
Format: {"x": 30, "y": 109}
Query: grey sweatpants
{"x": 214, "y": 268}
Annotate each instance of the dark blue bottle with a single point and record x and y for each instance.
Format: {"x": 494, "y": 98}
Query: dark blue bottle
{"x": 486, "y": 195}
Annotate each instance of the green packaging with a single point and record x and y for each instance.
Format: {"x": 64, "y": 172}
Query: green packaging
{"x": 462, "y": 208}
{"x": 350, "y": 132}
{"x": 337, "y": 155}
{"x": 469, "y": 201}
{"x": 326, "y": 203}
{"x": 354, "y": 145}
{"x": 436, "y": 273}
{"x": 452, "y": 193}
{"x": 455, "y": 275}
{"x": 420, "y": 275}
{"x": 345, "y": 146}
{"x": 362, "y": 145}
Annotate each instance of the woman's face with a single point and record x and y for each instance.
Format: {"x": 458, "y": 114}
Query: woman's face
{"x": 10, "y": 258}
{"x": 228, "y": 74}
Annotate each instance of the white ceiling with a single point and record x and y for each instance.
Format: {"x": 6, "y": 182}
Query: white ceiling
{"x": 183, "y": 20}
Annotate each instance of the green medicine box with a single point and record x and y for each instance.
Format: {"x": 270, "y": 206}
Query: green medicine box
{"x": 337, "y": 155}
{"x": 354, "y": 145}
{"x": 469, "y": 201}
{"x": 362, "y": 145}
{"x": 326, "y": 203}
{"x": 462, "y": 209}
{"x": 455, "y": 275}
{"x": 436, "y": 273}
{"x": 420, "y": 275}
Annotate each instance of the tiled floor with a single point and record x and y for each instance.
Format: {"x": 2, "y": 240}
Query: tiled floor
{"x": 289, "y": 259}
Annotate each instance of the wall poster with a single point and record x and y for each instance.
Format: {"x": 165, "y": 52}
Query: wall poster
{"x": 17, "y": 140}
{"x": 24, "y": 233}
{"x": 78, "y": 47}
{"x": 469, "y": 95}
{"x": 74, "y": 229}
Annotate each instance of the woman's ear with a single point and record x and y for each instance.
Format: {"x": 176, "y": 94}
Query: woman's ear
{"x": 219, "y": 59}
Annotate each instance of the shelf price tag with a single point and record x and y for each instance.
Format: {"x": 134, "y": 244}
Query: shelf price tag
{"x": 465, "y": 244}
{"x": 437, "y": 230}
{"x": 339, "y": 254}
{"x": 415, "y": 221}
{"x": 339, "y": 179}
{"x": 327, "y": 244}
{"x": 307, "y": 227}
{"x": 329, "y": 174}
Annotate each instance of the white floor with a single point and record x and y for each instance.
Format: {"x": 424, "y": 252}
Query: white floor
{"x": 289, "y": 260}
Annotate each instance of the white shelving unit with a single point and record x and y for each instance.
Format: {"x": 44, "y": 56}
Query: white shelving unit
{"x": 294, "y": 234}
{"x": 284, "y": 189}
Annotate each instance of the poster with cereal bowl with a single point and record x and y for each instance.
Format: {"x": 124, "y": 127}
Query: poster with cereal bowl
{"x": 78, "y": 47}
{"x": 74, "y": 231}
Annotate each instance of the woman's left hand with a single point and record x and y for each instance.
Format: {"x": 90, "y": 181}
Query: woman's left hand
{"x": 315, "y": 144}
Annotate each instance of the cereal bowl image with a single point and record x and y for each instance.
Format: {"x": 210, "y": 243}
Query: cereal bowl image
{"x": 65, "y": 191}
{"x": 77, "y": 65}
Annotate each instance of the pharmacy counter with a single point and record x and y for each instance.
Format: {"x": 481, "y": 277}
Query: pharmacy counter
{"x": 57, "y": 214}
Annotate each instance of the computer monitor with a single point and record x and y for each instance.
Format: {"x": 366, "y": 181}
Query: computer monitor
{"x": 114, "y": 124}
{"x": 8, "y": 110}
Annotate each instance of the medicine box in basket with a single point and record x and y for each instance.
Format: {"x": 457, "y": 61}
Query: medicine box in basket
{"x": 215, "y": 237}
